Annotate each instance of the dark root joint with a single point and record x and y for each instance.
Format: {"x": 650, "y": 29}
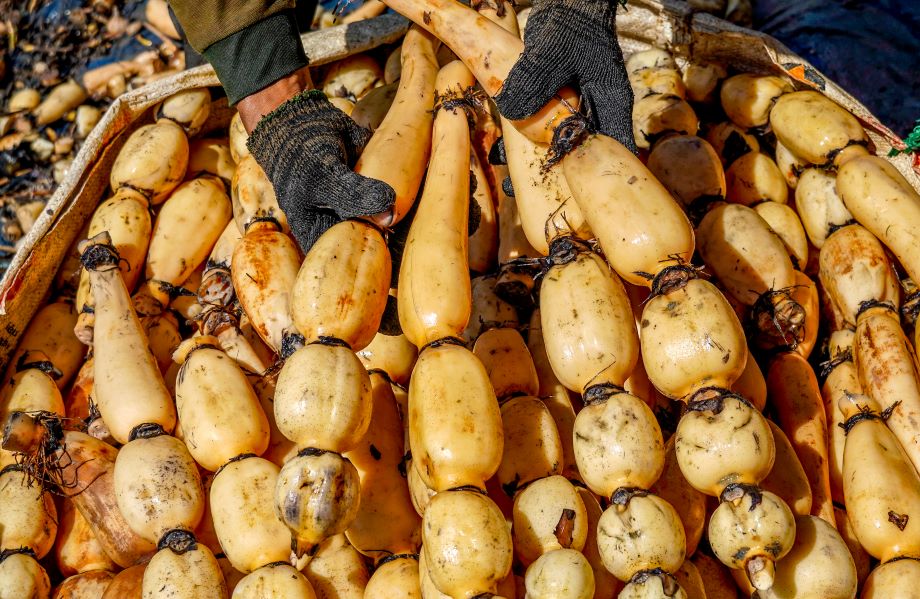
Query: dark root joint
{"x": 178, "y": 541}
{"x": 669, "y": 584}
{"x": 27, "y": 361}
{"x": 35, "y": 438}
{"x": 443, "y": 341}
{"x": 468, "y": 100}
{"x": 600, "y": 393}
{"x": 736, "y": 491}
{"x": 17, "y": 551}
{"x": 216, "y": 319}
{"x": 395, "y": 556}
{"x": 830, "y": 365}
{"x": 239, "y": 458}
{"x": 264, "y": 219}
{"x": 309, "y": 452}
{"x": 671, "y": 278}
{"x": 777, "y": 315}
{"x": 148, "y": 430}
{"x": 624, "y": 495}
{"x": 570, "y": 134}
{"x": 100, "y": 257}
{"x": 469, "y": 488}
{"x": 712, "y": 399}
{"x": 910, "y": 308}
{"x": 565, "y": 249}
{"x": 330, "y": 341}
{"x": 867, "y": 414}
{"x": 290, "y": 343}
{"x": 874, "y": 303}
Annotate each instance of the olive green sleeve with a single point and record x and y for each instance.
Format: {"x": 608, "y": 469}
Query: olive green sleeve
{"x": 250, "y": 43}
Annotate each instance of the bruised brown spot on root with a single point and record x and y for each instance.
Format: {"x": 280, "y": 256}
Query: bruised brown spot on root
{"x": 565, "y": 528}
{"x": 899, "y": 520}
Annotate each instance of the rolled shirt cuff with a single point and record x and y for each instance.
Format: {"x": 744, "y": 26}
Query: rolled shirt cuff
{"x": 257, "y": 56}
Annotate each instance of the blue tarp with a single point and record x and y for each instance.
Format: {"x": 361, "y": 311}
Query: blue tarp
{"x": 869, "y": 48}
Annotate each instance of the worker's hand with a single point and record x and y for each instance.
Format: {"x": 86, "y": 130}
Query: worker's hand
{"x": 307, "y": 146}
{"x": 572, "y": 42}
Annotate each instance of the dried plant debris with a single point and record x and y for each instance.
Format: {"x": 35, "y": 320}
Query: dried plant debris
{"x": 61, "y": 63}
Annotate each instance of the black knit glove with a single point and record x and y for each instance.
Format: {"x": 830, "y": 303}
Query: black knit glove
{"x": 572, "y": 42}
{"x": 307, "y": 147}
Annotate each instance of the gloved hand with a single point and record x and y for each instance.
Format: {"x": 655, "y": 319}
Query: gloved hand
{"x": 572, "y": 42}
{"x": 307, "y": 147}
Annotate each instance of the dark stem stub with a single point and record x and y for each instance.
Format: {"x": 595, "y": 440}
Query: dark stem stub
{"x": 834, "y": 227}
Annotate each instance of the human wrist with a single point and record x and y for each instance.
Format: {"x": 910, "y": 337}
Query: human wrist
{"x": 255, "y": 106}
